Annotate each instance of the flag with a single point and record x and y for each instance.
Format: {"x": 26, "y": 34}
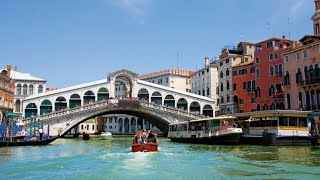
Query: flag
{"x": 282, "y": 88}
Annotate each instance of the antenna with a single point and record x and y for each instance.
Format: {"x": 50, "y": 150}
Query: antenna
{"x": 289, "y": 28}
{"x": 268, "y": 26}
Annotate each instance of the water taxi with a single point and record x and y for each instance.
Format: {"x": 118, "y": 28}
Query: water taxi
{"x": 214, "y": 130}
{"x": 145, "y": 141}
{"x": 275, "y": 127}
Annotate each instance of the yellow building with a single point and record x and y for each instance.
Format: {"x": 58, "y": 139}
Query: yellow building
{"x": 6, "y": 92}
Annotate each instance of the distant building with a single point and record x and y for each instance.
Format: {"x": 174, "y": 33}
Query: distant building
{"x": 174, "y": 78}
{"x": 6, "y": 92}
{"x": 205, "y": 81}
{"x": 25, "y": 85}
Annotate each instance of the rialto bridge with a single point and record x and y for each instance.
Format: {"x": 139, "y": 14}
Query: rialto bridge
{"x": 121, "y": 93}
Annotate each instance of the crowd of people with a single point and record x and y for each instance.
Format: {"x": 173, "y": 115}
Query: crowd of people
{"x": 145, "y": 136}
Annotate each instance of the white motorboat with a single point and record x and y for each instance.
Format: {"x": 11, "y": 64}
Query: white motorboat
{"x": 106, "y": 135}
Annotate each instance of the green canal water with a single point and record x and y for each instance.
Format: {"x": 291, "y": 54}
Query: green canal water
{"x": 112, "y": 159}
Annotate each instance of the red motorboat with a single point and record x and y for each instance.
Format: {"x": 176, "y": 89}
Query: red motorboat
{"x": 145, "y": 141}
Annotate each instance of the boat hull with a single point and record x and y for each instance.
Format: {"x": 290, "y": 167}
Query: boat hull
{"x": 271, "y": 139}
{"x": 227, "y": 139}
{"x": 28, "y": 143}
{"x": 145, "y": 147}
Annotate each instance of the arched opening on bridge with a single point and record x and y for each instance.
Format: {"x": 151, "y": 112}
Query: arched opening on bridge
{"x": 60, "y": 103}
{"x": 133, "y": 125}
{"x": 74, "y": 101}
{"x": 45, "y": 107}
{"x": 103, "y": 93}
{"x": 143, "y": 94}
{"x": 120, "y": 125}
{"x": 182, "y": 104}
{"x": 169, "y": 101}
{"x": 195, "y": 107}
{"x": 126, "y": 125}
{"x": 207, "y": 110}
{"x": 156, "y": 98}
{"x": 89, "y": 97}
{"x": 31, "y": 110}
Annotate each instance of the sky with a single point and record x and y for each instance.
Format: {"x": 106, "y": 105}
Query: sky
{"x": 69, "y": 42}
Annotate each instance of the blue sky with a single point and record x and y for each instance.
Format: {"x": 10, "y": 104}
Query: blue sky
{"x": 68, "y": 42}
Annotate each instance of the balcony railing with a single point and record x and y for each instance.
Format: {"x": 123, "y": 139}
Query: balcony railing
{"x": 279, "y": 96}
{"x": 310, "y": 81}
{"x": 7, "y": 88}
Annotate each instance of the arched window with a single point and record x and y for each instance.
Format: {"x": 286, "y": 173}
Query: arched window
{"x": 271, "y": 71}
{"x": 25, "y": 90}
{"x": 227, "y": 72}
{"x": 18, "y": 106}
{"x": 40, "y": 89}
{"x": 221, "y": 87}
{"x": 228, "y": 85}
{"x": 288, "y": 101}
{"x": 221, "y": 74}
{"x": 287, "y": 78}
{"x": 19, "y": 89}
{"x": 30, "y": 89}
{"x": 258, "y": 107}
{"x": 306, "y": 75}
{"x": 257, "y": 73}
{"x": 280, "y": 69}
{"x": 265, "y": 106}
{"x": 298, "y": 76}
{"x": 228, "y": 98}
{"x": 300, "y": 100}
{"x": 317, "y": 71}
{"x": 276, "y": 69}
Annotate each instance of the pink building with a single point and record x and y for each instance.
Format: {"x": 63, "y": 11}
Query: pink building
{"x": 302, "y": 71}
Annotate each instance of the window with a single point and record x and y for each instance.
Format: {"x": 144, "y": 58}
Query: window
{"x": 92, "y": 127}
{"x": 221, "y": 63}
{"x": 253, "y": 100}
{"x": 234, "y": 73}
{"x": 222, "y": 100}
{"x": 228, "y": 85}
{"x": 258, "y": 48}
{"x": 228, "y": 98}
{"x": 227, "y": 72}
{"x": 208, "y": 91}
{"x": 286, "y": 59}
{"x": 271, "y": 71}
{"x": 241, "y": 101}
{"x": 252, "y": 70}
{"x": 221, "y": 74}
{"x": 244, "y": 85}
{"x": 246, "y": 59}
{"x": 257, "y": 60}
{"x": 276, "y": 70}
{"x": 275, "y": 56}
{"x": 30, "y": 89}
{"x": 187, "y": 81}
{"x": 221, "y": 87}
{"x": 19, "y": 89}
{"x": 257, "y": 73}
{"x": 305, "y": 54}
{"x": 270, "y": 56}
{"x": 270, "y": 44}
{"x": 234, "y": 87}
{"x": 24, "y": 89}
{"x": 298, "y": 55}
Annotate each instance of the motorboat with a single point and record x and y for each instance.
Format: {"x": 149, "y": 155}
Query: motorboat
{"x": 106, "y": 135}
{"x": 213, "y": 130}
{"x": 149, "y": 145}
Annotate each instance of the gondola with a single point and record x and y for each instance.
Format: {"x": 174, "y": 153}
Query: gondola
{"x": 28, "y": 143}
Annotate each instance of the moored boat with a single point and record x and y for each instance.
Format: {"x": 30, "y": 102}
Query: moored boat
{"x": 145, "y": 142}
{"x": 275, "y": 127}
{"x": 28, "y": 143}
{"x": 214, "y": 130}
{"x": 106, "y": 135}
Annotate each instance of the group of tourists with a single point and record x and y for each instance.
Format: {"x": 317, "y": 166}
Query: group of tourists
{"x": 145, "y": 136}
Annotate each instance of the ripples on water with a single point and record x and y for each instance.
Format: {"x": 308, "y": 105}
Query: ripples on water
{"x": 112, "y": 159}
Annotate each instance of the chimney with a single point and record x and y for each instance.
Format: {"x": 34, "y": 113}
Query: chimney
{"x": 15, "y": 68}
{"x": 9, "y": 70}
{"x": 206, "y": 61}
{"x": 283, "y": 37}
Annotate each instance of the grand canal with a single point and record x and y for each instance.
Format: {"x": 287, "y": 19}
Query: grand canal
{"x": 105, "y": 159}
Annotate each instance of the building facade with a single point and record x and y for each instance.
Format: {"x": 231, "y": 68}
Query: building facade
{"x": 174, "y": 78}
{"x": 302, "y": 72}
{"x": 244, "y": 82}
{"x": 229, "y": 58}
{"x": 205, "y": 81}
{"x": 269, "y": 73}
{"x": 6, "y": 92}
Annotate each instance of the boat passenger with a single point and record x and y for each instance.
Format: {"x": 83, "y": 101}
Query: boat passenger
{"x": 144, "y": 136}
{"x": 138, "y": 137}
{"x": 151, "y": 136}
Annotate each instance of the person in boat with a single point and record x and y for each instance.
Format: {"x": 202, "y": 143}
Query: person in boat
{"x": 137, "y": 138}
{"x": 152, "y": 137}
{"x": 41, "y": 133}
{"x": 144, "y": 135}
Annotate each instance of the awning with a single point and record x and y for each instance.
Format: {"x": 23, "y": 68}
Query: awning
{"x": 12, "y": 115}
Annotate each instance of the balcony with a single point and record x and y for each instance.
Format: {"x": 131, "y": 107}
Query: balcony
{"x": 251, "y": 90}
{"x": 278, "y": 97}
{"x": 7, "y": 88}
{"x": 313, "y": 81}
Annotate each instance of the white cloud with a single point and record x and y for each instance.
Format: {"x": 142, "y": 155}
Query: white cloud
{"x": 138, "y": 9}
{"x": 296, "y": 8}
